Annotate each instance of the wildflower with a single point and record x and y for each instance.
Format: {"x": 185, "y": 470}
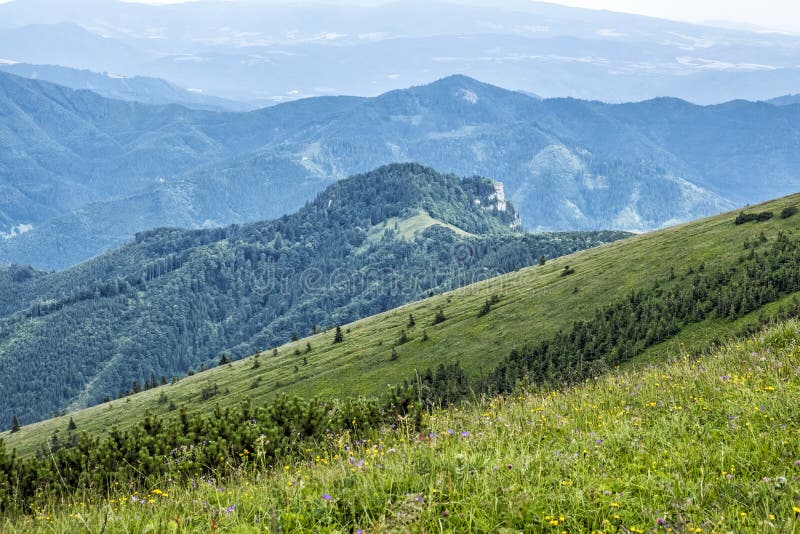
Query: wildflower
{"x": 661, "y": 522}
{"x": 230, "y": 508}
{"x": 327, "y": 497}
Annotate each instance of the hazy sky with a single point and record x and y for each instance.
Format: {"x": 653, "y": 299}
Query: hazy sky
{"x": 774, "y": 14}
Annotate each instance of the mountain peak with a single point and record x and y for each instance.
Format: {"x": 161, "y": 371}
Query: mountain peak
{"x": 476, "y": 205}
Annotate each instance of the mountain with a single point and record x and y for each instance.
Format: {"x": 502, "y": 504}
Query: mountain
{"x": 786, "y": 100}
{"x": 142, "y": 89}
{"x": 65, "y": 44}
{"x": 81, "y": 174}
{"x": 268, "y": 53}
{"x": 631, "y": 303}
{"x": 174, "y": 300}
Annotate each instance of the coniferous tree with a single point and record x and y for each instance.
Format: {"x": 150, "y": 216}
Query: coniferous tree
{"x": 223, "y": 360}
{"x": 71, "y": 426}
{"x": 403, "y": 338}
{"x": 14, "y": 424}
{"x": 411, "y": 322}
{"x": 338, "y": 337}
{"x": 542, "y": 259}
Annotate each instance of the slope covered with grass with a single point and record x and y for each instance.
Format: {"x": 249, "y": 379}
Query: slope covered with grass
{"x": 690, "y": 445}
{"x": 534, "y": 304}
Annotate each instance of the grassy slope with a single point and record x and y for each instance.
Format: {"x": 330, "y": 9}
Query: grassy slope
{"x": 534, "y": 302}
{"x": 708, "y": 445}
{"x": 410, "y": 227}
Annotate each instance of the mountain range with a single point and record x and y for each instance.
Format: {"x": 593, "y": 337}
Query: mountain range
{"x": 80, "y": 174}
{"x": 268, "y": 53}
{"x": 146, "y": 90}
{"x": 174, "y": 300}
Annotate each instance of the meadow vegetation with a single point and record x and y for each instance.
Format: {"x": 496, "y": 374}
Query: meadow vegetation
{"x": 707, "y": 444}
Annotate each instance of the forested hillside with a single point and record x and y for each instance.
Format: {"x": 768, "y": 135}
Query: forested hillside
{"x": 174, "y": 300}
{"x": 681, "y": 292}
{"x": 566, "y": 164}
{"x": 627, "y": 303}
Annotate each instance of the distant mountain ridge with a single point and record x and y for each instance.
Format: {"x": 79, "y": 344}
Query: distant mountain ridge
{"x": 173, "y": 300}
{"x": 286, "y": 50}
{"x": 786, "y": 100}
{"x": 85, "y": 173}
{"x": 153, "y": 91}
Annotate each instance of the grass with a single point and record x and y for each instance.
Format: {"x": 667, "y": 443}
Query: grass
{"x": 409, "y": 227}
{"x": 690, "y": 445}
{"x": 534, "y": 302}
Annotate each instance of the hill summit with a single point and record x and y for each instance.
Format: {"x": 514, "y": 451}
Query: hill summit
{"x": 174, "y": 300}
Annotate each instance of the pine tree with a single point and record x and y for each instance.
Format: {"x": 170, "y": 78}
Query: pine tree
{"x": 440, "y": 317}
{"x": 411, "y": 321}
{"x": 403, "y": 338}
{"x": 338, "y": 337}
{"x": 223, "y": 360}
{"x": 542, "y": 259}
{"x": 71, "y": 426}
{"x": 394, "y": 354}
{"x": 308, "y": 348}
{"x": 14, "y": 424}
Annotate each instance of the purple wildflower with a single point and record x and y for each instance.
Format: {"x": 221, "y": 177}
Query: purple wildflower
{"x": 327, "y": 497}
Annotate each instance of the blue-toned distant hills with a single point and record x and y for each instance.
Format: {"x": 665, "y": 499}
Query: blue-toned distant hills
{"x": 80, "y": 173}
{"x": 269, "y": 52}
{"x": 135, "y": 88}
